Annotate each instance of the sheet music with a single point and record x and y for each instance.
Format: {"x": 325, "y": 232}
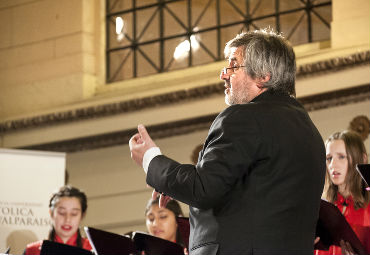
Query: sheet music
{"x": 90, "y": 240}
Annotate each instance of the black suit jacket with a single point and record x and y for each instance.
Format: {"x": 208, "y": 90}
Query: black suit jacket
{"x": 256, "y": 187}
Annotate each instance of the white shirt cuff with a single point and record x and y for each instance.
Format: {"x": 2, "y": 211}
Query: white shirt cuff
{"x": 149, "y": 155}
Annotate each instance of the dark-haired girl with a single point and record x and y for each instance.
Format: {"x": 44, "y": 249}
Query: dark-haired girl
{"x": 161, "y": 222}
{"x": 67, "y": 208}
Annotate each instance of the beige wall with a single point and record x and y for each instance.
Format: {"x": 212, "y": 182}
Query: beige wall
{"x": 49, "y": 52}
{"x": 52, "y": 60}
{"x": 350, "y": 25}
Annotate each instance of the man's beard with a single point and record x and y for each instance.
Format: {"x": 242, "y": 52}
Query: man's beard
{"x": 232, "y": 99}
{"x": 227, "y": 100}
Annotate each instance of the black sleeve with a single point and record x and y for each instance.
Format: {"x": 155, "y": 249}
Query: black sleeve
{"x": 228, "y": 153}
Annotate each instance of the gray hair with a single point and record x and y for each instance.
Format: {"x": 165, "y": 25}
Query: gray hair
{"x": 266, "y": 52}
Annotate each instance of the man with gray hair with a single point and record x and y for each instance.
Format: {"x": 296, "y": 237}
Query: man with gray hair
{"x": 256, "y": 187}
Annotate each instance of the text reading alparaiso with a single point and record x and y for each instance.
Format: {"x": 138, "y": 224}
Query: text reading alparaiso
{"x": 21, "y": 216}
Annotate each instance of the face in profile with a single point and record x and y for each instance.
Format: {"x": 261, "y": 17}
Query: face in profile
{"x": 337, "y": 162}
{"x": 161, "y": 222}
{"x": 240, "y": 88}
{"x": 66, "y": 217}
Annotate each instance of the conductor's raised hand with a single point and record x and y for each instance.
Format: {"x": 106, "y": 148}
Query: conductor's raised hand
{"x": 139, "y": 144}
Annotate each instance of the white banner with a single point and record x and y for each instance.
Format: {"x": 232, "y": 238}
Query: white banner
{"x": 27, "y": 180}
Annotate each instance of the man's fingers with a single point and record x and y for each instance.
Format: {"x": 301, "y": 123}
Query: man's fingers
{"x": 163, "y": 200}
{"x": 143, "y": 133}
{"x": 154, "y": 194}
{"x": 134, "y": 140}
{"x": 145, "y": 138}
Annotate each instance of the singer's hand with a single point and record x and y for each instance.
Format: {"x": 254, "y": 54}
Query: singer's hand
{"x": 346, "y": 248}
{"x": 317, "y": 239}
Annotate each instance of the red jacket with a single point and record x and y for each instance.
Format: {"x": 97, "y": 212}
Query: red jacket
{"x": 358, "y": 219}
{"x": 34, "y": 248}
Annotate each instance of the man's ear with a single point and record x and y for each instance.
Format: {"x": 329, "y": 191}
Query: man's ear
{"x": 262, "y": 80}
{"x": 51, "y": 213}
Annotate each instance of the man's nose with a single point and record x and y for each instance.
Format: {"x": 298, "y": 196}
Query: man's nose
{"x": 224, "y": 76}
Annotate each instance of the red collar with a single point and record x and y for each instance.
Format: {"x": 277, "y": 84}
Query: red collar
{"x": 344, "y": 201}
{"x": 71, "y": 241}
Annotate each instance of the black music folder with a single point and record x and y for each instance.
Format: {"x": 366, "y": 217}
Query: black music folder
{"x": 184, "y": 229}
{"x": 364, "y": 171}
{"x": 54, "y": 248}
{"x": 332, "y": 227}
{"x": 108, "y": 243}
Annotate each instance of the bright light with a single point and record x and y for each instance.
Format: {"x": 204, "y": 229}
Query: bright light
{"x": 194, "y": 42}
{"x": 119, "y": 25}
{"x": 120, "y": 37}
{"x": 182, "y": 50}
